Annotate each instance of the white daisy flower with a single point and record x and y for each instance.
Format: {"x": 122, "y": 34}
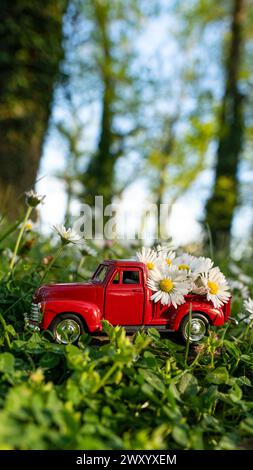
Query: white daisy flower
{"x": 239, "y": 286}
{"x": 165, "y": 255}
{"x": 234, "y": 269}
{"x": 185, "y": 262}
{"x": 217, "y": 288}
{"x": 33, "y": 199}
{"x": 245, "y": 318}
{"x": 148, "y": 257}
{"x": 245, "y": 279}
{"x": 68, "y": 235}
{"x": 248, "y": 305}
{"x": 169, "y": 285}
{"x": 202, "y": 265}
{"x": 29, "y": 225}
{"x": 165, "y": 248}
{"x": 193, "y": 265}
{"x": 88, "y": 250}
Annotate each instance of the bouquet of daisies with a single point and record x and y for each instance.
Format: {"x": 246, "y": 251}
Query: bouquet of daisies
{"x": 172, "y": 276}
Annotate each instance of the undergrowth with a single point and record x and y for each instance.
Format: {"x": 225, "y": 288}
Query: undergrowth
{"x": 144, "y": 392}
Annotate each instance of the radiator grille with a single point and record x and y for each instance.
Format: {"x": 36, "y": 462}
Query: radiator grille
{"x": 34, "y": 318}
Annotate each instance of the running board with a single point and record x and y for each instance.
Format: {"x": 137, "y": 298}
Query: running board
{"x": 134, "y": 328}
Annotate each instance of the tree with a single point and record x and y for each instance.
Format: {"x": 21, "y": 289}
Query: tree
{"x": 224, "y": 199}
{"x": 31, "y": 52}
{"x": 176, "y": 161}
{"x": 179, "y": 137}
{"x": 106, "y": 55}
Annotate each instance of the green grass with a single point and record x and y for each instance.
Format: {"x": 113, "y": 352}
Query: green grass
{"x": 145, "y": 392}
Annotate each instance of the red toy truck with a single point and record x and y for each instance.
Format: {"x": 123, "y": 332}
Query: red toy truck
{"x": 117, "y": 292}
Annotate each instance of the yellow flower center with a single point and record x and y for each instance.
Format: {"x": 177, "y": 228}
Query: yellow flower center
{"x": 166, "y": 285}
{"x": 213, "y": 287}
{"x": 168, "y": 261}
{"x": 28, "y": 226}
{"x": 150, "y": 265}
{"x": 184, "y": 267}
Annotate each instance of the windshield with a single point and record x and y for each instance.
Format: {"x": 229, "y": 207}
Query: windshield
{"x": 100, "y": 275}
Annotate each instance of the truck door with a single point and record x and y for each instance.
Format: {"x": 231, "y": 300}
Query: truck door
{"x": 124, "y": 298}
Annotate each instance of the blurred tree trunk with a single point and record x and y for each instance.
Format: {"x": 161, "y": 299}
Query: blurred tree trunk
{"x": 99, "y": 175}
{"x": 224, "y": 199}
{"x": 107, "y": 69}
{"x": 31, "y": 51}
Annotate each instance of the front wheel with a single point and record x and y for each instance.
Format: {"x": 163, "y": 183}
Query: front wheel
{"x": 67, "y": 328}
{"x": 194, "y": 330}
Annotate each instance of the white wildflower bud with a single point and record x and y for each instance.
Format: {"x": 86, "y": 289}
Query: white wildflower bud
{"x": 68, "y": 235}
{"x": 33, "y": 199}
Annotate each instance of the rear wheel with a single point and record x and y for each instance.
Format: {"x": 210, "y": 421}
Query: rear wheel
{"x": 67, "y": 328}
{"x": 194, "y": 330}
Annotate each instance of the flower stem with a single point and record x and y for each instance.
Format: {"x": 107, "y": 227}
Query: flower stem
{"x": 22, "y": 229}
{"x": 80, "y": 265}
{"x": 106, "y": 377}
{"x": 51, "y": 263}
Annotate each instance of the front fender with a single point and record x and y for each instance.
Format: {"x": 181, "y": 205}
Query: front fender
{"x": 88, "y": 311}
{"x": 215, "y": 315}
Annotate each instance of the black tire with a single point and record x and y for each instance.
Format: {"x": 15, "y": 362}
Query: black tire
{"x": 201, "y": 324}
{"x": 67, "y": 328}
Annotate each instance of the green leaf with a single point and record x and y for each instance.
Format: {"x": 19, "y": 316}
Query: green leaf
{"x": 246, "y": 358}
{"x": 154, "y": 333}
{"x": 196, "y": 437}
{"x": 219, "y": 376}
{"x": 247, "y": 426}
{"x": 153, "y": 380}
{"x": 173, "y": 393}
{"x": 149, "y": 392}
{"x": 179, "y": 433}
{"x": 228, "y": 442}
{"x": 76, "y": 357}
{"x": 235, "y": 393}
{"x": 7, "y": 362}
{"x": 232, "y": 348}
{"x": 11, "y": 330}
{"x": 107, "y": 327}
{"x": 188, "y": 385}
{"x": 49, "y": 360}
{"x": 244, "y": 381}
{"x": 150, "y": 359}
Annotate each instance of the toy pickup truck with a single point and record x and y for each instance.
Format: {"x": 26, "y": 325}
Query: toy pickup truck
{"x": 118, "y": 293}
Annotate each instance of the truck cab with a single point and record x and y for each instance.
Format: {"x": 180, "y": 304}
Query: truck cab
{"x": 118, "y": 293}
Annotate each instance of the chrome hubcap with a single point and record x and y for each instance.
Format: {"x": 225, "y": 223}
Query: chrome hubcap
{"x": 67, "y": 331}
{"x": 196, "y": 331}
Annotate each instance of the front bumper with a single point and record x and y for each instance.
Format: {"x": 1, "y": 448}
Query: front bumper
{"x": 34, "y": 318}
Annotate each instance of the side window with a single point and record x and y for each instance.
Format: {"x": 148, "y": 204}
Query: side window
{"x": 131, "y": 277}
{"x": 116, "y": 278}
